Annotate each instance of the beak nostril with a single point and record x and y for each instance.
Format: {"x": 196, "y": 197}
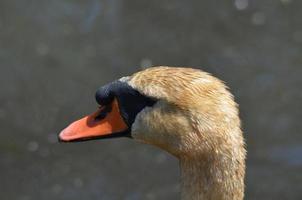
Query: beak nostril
{"x": 103, "y": 112}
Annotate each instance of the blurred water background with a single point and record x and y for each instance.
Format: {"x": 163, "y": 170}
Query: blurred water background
{"x": 55, "y": 54}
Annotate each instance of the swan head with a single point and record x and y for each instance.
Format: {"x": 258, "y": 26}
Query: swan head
{"x": 184, "y": 111}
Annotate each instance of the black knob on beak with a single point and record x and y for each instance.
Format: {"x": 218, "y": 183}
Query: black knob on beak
{"x": 104, "y": 95}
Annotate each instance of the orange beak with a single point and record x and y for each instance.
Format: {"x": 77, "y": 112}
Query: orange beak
{"x": 101, "y": 124}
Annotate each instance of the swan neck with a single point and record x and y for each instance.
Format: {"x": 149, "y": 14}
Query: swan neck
{"x": 207, "y": 179}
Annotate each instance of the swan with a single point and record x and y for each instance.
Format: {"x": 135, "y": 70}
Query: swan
{"x": 184, "y": 111}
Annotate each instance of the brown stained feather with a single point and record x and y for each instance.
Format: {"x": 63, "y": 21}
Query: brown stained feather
{"x": 196, "y": 119}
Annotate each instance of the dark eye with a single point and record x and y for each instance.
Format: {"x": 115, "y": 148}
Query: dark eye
{"x": 104, "y": 110}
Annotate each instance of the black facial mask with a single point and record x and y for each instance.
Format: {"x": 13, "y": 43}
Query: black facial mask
{"x": 130, "y": 101}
